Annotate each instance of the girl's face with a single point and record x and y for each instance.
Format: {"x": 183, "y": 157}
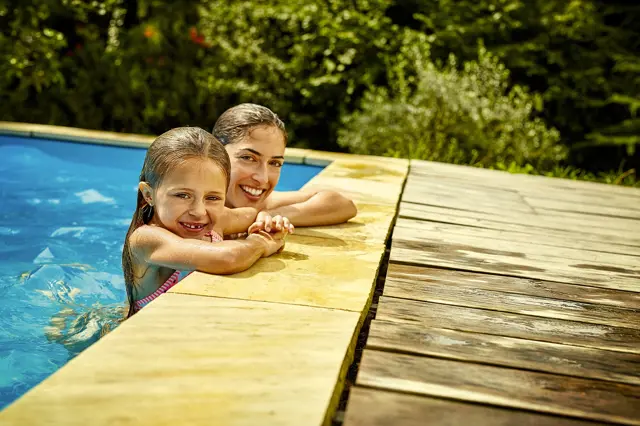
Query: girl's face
{"x": 190, "y": 199}
{"x": 255, "y": 167}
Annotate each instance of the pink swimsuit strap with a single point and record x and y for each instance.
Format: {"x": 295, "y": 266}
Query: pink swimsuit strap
{"x": 172, "y": 280}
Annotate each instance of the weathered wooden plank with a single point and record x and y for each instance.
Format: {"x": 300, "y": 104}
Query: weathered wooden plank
{"x": 446, "y": 184}
{"x": 451, "y": 201}
{"x": 540, "y": 189}
{"x": 613, "y": 241}
{"x": 502, "y": 179}
{"x": 476, "y": 254}
{"x": 410, "y": 230}
{"x": 423, "y": 277}
{"x": 621, "y": 257}
{"x": 525, "y": 354}
{"x": 469, "y": 296}
{"x": 611, "y": 210}
{"x": 376, "y": 407}
{"x": 631, "y": 224}
{"x": 584, "y": 398}
{"x": 520, "y": 214}
{"x": 510, "y": 325}
{"x": 434, "y": 185}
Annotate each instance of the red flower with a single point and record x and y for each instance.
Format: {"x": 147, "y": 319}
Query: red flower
{"x": 196, "y": 38}
{"x": 149, "y": 31}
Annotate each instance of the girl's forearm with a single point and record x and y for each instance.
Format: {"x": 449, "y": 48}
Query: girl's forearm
{"x": 244, "y": 253}
{"x": 226, "y": 257}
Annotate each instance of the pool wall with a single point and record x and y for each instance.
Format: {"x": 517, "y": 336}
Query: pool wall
{"x": 270, "y": 345}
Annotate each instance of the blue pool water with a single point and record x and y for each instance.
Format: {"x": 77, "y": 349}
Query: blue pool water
{"x": 64, "y": 211}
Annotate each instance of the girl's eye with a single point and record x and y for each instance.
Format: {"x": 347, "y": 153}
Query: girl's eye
{"x": 246, "y": 157}
{"x": 213, "y": 198}
{"x": 182, "y": 195}
{"x": 276, "y": 164}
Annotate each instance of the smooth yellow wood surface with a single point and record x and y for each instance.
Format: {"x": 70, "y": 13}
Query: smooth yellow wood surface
{"x": 200, "y": 360}
{"x": 321, "y": 272}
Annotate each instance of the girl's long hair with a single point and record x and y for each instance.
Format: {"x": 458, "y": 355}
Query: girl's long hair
{"x": 165, "y": 153}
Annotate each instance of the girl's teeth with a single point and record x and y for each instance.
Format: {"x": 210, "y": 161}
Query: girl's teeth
{"x": 193, "y": 226}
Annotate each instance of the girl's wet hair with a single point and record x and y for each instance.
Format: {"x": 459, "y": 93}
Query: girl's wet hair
{"x": 237, "y": 122}
{"x": 168, "y": 151}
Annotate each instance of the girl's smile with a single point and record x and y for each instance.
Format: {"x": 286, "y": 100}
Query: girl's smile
{"x": 190, "y": 199}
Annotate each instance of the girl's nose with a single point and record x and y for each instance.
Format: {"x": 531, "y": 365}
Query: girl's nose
{"x": 197, "y": 209}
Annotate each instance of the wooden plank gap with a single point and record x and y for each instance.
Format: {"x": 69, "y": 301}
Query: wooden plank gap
{"x": 542, "y": 392}
{"x": 510, "y": 352}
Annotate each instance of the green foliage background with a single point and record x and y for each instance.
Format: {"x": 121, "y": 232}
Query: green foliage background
{"x": 530, "y": 86}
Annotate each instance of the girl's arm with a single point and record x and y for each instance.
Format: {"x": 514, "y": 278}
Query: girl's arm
{"x": 161, "y": 247}
{"x": 311, "y": 208}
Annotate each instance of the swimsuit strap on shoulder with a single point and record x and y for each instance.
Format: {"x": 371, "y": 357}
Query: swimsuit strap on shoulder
{"x": 170, "y": 282}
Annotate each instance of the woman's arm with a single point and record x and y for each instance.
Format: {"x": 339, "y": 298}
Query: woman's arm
{"x": 161, "y": 247}
{"x": 311, "y": 208}
{"x": 238, "y": 220}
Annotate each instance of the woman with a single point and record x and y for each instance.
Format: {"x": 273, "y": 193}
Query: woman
{"x": 255, "y": 139}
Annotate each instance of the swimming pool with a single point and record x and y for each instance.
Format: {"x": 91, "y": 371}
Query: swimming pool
{"x": 64, "y": 212}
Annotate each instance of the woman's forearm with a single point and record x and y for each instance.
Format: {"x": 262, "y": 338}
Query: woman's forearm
{"x": 323, "y": 208}
{"x": 239, "y": 219}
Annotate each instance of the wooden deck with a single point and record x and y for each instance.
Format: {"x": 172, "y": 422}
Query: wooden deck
{"x": 509, "y": 300}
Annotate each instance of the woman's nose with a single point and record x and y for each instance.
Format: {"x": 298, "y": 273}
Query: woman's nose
{"x": 261, "y": 175}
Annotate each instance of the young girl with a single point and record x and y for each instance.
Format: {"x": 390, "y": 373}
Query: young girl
{"x": 255, "y": 139}
{"x": 181, "y": 211}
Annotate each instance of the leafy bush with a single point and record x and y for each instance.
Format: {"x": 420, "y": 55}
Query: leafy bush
{"x": 110, "y": 64}
{"x": 446, "y": 114}
{"x": 581, "y": 55}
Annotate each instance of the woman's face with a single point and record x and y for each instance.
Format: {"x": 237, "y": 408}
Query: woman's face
{"x": 255, "y": 167}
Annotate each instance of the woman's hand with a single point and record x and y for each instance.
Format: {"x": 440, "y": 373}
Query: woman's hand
{"x": 265, "y": 222}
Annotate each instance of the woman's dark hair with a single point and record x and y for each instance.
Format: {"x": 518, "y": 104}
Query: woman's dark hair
{"x": 168, "y": 151}
{"x": 237, "y": 122}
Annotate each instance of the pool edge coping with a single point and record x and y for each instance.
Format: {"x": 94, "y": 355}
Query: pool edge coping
{"x": 292, "y": 155}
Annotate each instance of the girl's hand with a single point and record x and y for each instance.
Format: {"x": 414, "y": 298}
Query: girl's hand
{"x": 265, "y": 222}
{"x": 273, "y": 243}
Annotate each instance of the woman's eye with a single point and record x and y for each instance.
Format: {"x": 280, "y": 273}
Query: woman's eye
{"x": 276, "y": 164}
{"x": 182, "y": 195}
{"x": 213, "y": 198}
{"x": 246, "y": 158}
